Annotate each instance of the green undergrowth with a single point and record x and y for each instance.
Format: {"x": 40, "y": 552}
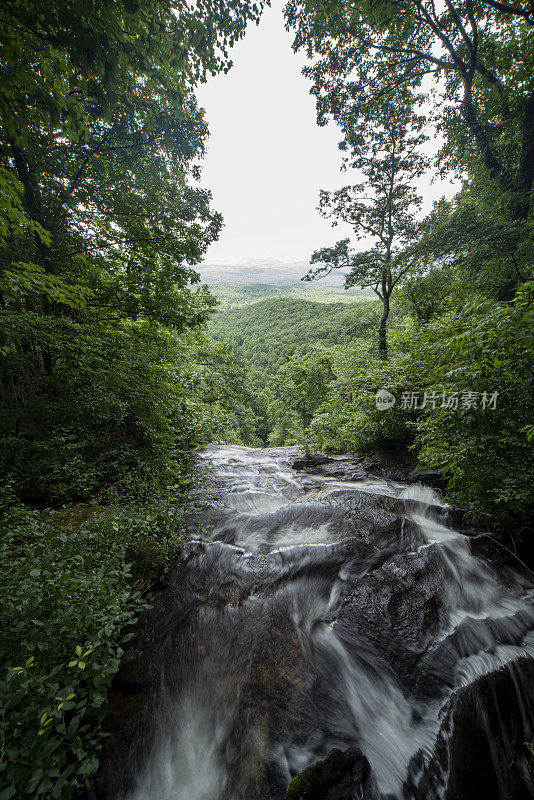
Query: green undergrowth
{"x": 73, "y": 581}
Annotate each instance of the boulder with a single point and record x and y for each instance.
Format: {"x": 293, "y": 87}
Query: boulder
{"x": 343, "y": 775}
{"x": 311, "y": 461}
{"x": 484, "y": 746}
{"x": 430, "y": 477}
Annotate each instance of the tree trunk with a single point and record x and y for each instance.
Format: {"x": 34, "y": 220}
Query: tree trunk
{"x": 32, "y": 198}
{"x": 521, "y": 198}
{"x": 521, "y": 201}
{"x": 496, "y": 169}
{"x": 382, "y": 331}
{"x": 519, "y": 190}
{"x": 33, "y": 201}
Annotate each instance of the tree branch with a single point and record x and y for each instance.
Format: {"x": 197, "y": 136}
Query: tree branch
{"x": 508, "y": 9}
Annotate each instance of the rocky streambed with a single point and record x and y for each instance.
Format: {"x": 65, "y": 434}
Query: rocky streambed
{"x": 334, "y": 619}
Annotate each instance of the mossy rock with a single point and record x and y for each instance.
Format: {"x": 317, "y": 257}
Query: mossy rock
{"x": 343, "y": 775}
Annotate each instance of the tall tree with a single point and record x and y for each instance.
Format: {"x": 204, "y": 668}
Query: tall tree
{"x": 479, "y": 54}
{"x": 381, "y": 208}
{"x": 101, "y": 217}
{"x": 99, "y": 129}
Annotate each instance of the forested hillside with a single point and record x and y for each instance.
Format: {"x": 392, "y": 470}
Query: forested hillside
{"x": 232, "y": 296}
{"x": 267, "y": 333}
{"x": 276, "y": 335}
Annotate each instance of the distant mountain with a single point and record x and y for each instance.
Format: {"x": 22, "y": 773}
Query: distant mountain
{"x": 274, "y": 273}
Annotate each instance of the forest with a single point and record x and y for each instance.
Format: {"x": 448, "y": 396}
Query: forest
{"x": 116, "y": 362}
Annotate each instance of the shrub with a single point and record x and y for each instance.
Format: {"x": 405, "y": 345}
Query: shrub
{"x": 486, "y": 452}
{"x": 70, "y": 589}
{"x": 348, "y": 419}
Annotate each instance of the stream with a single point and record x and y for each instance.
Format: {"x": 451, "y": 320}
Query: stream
{"x": 329, "y": 610}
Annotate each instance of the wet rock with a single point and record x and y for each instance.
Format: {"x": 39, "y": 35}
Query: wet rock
{"x": 528, "y": 748}
{"x": 343, "y": 775}
{"x": 354, "y": 468}
{"x": 395, "y": 611}
{"x": 483, "y": 748}
{"x": 338, "y": 616}
{"x": 341, "y": 471}
{"x": 430, "y": 477}
{"x": 311, "y": 461}
{"x": 371, "y": 465}
{"x": 263, "y": 533}
{"x": 491, "y": 719}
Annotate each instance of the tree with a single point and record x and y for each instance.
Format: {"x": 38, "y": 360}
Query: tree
{"x": 475, "y": 237}
{"x": 382, "y": 207}
{"x": 486, "y": 351}
{"x": 430, "y": 294}
{"x": 477, "y": 52}
{"x": 101, "y": 225}
{"x": 299, "y": 388}
{"x": 99, "y": 129}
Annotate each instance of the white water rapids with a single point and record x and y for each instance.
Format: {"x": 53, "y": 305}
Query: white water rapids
{"x": 322, "y": 613}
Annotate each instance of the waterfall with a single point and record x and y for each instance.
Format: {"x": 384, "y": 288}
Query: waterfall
{"x": 317, "y": 612}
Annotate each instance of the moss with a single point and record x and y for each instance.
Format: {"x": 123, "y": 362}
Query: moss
{"x": 340, "y": 771}
{"x": 304, "y": 784}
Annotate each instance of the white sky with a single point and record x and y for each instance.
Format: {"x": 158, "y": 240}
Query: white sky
{"x": 267, "y": 158}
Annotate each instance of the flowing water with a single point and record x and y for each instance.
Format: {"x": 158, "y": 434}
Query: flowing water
{"x": 321, "y": 613}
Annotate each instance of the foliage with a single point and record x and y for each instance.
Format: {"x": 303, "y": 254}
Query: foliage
{"x": 370, "y": 58}
{"x": 277, "y": 338}
{"x": 431, "y": 294}
{"x": 100, "y": 137}
{"x": 123, "y": 405}
{"x": 450, "y": 362}
{"x": 486, "y": 452}
{"x": 67, "y": 599}
{"x": 84, "y": 86}
{"x": 231, "y": 295}
{"x": 382, "y": 207}
{"x": 269, "y": 332}
{"x": 348, "y": 418}
{"x": 299, "y": 387}
{"x": 221, "y": 395}
{"x": 474, "y": 237}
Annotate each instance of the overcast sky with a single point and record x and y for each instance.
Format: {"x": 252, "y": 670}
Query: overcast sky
{"x": 266, "y": 157}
